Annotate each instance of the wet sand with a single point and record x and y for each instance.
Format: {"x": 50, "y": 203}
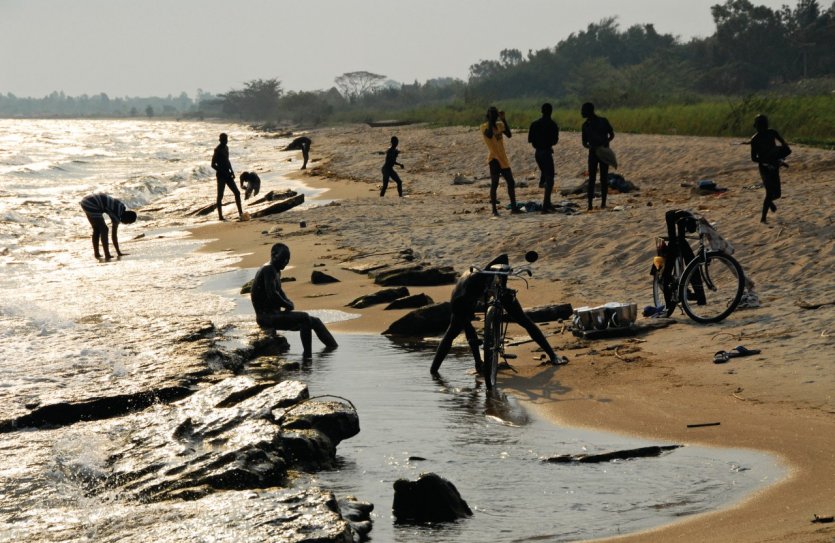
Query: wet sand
{"x": 780, "y": 401}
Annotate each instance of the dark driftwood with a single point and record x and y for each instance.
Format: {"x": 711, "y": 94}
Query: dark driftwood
{"x": 278, "y": 207}
{"x": 642, "y": 452}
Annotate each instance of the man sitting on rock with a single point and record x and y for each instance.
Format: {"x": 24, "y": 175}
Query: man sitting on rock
{"x": 274, "y": 310}
{"x": 471, "y": 288}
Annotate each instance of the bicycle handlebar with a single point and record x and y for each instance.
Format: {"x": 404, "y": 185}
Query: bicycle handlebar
{"x": 510, "y": 272}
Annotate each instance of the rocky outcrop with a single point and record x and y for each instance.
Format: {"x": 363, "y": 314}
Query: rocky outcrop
{"x": 419, "y": 275}
{"x": 431, "y": 320}
{"x": 411, "y": 302}
{"x": 429, "y": 499}
{"x": 236, "y": 434}
{"x": 172, "y": 370}
{"x": 322, "y": 278}
{"x": 379, "y": 297}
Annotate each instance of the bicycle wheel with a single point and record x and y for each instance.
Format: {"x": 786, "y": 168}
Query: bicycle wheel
{"x": 492, "y": 344}
{"x": 664, "y": 288}
{"x": 712, "y": 287}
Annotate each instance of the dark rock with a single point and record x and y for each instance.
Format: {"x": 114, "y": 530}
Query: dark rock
{"x": 321, "y": 278}
{"x": 358, "y": 514}
{"x": 236, "y": 434}
{"x": 547, "y": 313}
{"x": 184, "y": 352}
{"x": 429, "y": 499}
{"x": 273, "y": 196}
{"x": 416, "y": 275}
{"x": 278, "y": 207}
{"x": 431, "y": 320}
{"x": 642, "y": 452}
{"x": 411, "y": 302}
{"x": 379, "y": 297}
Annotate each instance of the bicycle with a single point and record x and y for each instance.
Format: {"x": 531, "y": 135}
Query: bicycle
{"x": 707, "y": 283}
{"x": 495, "y": 324}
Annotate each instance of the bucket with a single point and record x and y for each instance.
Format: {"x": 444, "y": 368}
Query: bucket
{"x": 621, "y": 315}
{"x": 582, "y": 318}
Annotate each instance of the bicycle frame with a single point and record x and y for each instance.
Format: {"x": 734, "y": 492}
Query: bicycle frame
{"x": 494, "y": 310}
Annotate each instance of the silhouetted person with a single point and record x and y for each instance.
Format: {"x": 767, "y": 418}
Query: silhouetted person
{"x": 597, "y": 132}
{"x": 95, "y": 206}
{"x": 225, "y": 177}
{"x": 493, "y": 130}
{"x": 543, "y": 135}
{"x": 274, "y": 310}
{"x": 301, "y": 144}
{"x": 769, "y": 156}
{"x": 470, "y": 288}
{"x": 388, "y": 168}
{"x": 251, "y": 184}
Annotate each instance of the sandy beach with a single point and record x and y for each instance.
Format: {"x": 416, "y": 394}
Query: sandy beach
{"x": 781, "y": 401}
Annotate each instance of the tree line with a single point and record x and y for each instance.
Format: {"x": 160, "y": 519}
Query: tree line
{"x": 753, "y": 49}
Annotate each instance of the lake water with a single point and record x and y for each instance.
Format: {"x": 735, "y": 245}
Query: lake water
{"x": 69, "y": 324}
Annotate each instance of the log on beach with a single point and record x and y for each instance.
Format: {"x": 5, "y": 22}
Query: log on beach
{"x": 278, "y": 207}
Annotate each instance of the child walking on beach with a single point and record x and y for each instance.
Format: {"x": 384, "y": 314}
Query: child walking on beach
{"x": 388, "y": 168}
{"x": 769, "y": 156}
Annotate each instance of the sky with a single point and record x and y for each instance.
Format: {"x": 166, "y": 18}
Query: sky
{"x": 160, "y": 47}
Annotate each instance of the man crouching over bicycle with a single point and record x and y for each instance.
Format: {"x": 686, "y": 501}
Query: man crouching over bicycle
{"x": 470, "y": 288}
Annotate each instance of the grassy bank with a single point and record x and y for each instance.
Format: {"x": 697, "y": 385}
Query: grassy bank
{"x": 801, "y": 119}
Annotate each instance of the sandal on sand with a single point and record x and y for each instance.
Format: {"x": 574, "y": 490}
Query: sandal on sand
{"x": 723, "y": 356}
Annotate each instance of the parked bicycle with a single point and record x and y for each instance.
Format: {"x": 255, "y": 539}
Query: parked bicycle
{"x": 497, "y": 295}
{"x": 707, "y": 283}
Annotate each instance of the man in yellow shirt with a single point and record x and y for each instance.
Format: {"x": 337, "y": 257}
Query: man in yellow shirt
{"x": 493, "y": 131}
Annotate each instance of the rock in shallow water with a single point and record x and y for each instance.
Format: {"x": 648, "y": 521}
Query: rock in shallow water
{"x": 225, "y": 436}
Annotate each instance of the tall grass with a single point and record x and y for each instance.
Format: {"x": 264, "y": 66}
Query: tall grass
{"x": 800, "y": 119}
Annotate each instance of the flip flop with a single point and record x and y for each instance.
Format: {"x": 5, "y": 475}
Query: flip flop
{"x": 743, "y": 351}
{"x": 721, "y": 357}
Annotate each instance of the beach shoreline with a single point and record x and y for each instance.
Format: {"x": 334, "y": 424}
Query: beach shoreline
{"x": 780, "y": 401}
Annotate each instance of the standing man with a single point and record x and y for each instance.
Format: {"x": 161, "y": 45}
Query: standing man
{"x": 492, "y": 130}
{"x": 597, "y": 133}
{"x": 543, "y": 135}
{"x": 95, "y": 206}
{"x": 225, "y": 177}
{"x": 769, "y": 156}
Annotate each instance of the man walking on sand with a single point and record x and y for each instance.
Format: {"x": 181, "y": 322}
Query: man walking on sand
{"x": 543, "y": 135}
{"x": 492, "y": 131}
{"x": 225, "y": 177}
{"x": 597, "y": 133}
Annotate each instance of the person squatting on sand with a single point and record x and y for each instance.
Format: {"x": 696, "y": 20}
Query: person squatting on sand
{"x": 388, "y": 168}
{"x": 492, "y": 130}
{"x": 470, "y": 288}
{"x": 597, "y": 132}
{"x": 543, "y": 135}
{"x": 274, "y": 310}
{"x": 302, "y": 144}
{"x": 95, "y": 206}
{"x": 769, "y": 156}
{"x": 225, "y": 177}
{"x": 251, "y": 184}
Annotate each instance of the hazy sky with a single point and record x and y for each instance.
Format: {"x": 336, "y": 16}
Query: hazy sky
{"x": 161, "y": 47}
